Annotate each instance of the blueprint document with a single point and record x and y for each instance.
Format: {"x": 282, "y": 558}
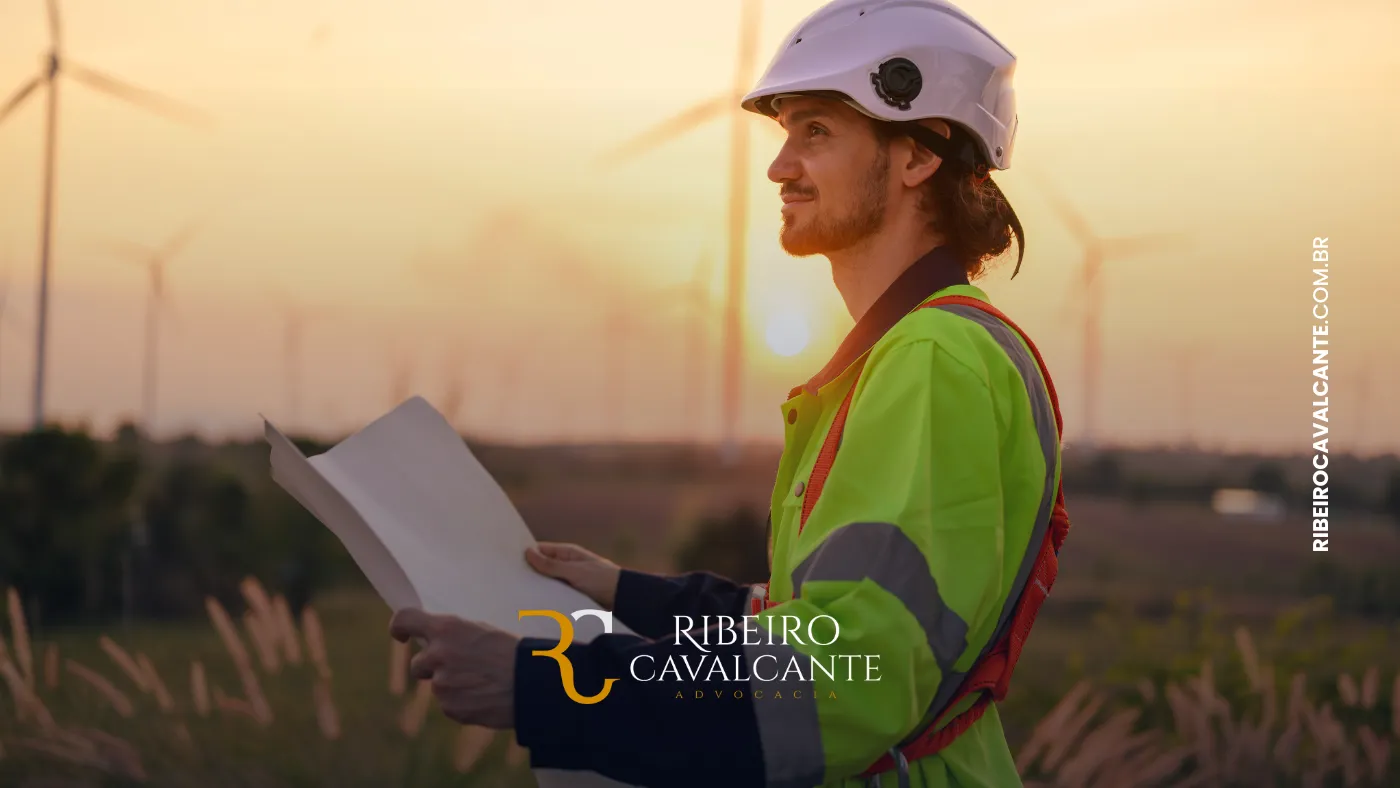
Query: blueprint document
{"x": 432, "y": 529}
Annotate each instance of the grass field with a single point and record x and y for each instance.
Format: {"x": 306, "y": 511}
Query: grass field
{"x": 1126, "y": 613}
{"x": 377, "y": 743}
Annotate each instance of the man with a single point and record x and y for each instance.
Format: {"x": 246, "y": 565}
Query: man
{"x": 917, "y": 495}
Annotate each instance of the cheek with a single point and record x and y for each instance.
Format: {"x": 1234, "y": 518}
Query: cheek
{"x": 835, "y": 180}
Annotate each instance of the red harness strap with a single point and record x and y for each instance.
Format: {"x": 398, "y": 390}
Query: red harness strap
{"x": 990, "y": 676}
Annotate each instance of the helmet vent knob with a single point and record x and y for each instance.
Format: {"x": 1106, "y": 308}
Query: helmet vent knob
{"x": 898, "y": 82}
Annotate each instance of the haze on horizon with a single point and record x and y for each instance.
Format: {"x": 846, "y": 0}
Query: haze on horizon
{"x": 357, "y": 140}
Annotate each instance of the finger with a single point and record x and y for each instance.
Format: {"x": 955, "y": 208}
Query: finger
{"x": 542, "y": 562}
{"x": 410, "y": 623}
{"x": 425, "y": 664}
{"x": 560, "y": 551}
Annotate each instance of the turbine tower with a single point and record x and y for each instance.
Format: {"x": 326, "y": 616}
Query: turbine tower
{"x": 1096, "y": 251}
{"x": 699, "y": 309}
{"x": 454, "y": 395}
{"x": 54, "y": 64}
{"x": 295, "y": 318}
{"x": 4, "y": 301}
{"x": 697, "y": 115}
{"x": 155, "y": 262}
{"x": 1184, "y": 359}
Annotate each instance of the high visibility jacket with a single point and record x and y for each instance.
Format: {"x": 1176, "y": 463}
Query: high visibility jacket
{"x": 949, "y": 457}
{"x": 947, "y": 465}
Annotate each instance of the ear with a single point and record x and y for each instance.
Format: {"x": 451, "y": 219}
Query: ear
{"x": 923, "y": 163}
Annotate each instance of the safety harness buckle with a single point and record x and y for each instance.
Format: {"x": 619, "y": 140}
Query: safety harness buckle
{"x": 901, "y": 770}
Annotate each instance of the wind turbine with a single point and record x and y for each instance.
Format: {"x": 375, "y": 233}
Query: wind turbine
{"x": 155, "y": 262}
{"x": 557, "y": 259}
{"x": 739, "y": 120}
{"x": 54, "y": 64}
{"x": 699, "y": 309}
{"x": 1183, "y": 360}
{"x": 1096, "y": 251}
{"x": 295, "y": 317}
{"x": 4, "y": 300}
{"x": 454, "y": 389}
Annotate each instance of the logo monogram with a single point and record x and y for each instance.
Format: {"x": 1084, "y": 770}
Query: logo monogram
{"x": 566, "y": 639}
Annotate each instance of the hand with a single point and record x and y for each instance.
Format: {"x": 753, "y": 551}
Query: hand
{"x": 592, "y": 574}
{"x": 471, "y": 665}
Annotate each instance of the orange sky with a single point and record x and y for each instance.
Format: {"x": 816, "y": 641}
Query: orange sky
{"x": 399, "y": 128}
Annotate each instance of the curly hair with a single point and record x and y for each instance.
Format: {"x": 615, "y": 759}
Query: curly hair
{"x": 971, "y": 214}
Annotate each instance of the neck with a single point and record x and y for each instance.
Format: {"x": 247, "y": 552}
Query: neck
{"x": 863, "y": 271}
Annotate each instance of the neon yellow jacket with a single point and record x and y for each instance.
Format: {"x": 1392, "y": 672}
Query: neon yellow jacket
{"x": 915, "y": 542}
{"x": 948, "y": 464}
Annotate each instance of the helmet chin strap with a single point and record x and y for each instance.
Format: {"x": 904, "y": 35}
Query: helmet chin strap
{"x": 965, "y": 159}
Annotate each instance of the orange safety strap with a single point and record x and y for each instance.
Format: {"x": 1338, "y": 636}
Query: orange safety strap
{"x": 991, "y": 675}
{"x": 827, "y": 455}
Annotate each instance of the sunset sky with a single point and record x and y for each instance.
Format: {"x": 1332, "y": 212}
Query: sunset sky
{"x": 356, "y": 137}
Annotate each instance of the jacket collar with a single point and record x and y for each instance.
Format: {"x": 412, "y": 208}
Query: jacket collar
{"x": 926, "y": 276}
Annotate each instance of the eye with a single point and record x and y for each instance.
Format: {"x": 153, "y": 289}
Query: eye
{"x": 815, "y": 129}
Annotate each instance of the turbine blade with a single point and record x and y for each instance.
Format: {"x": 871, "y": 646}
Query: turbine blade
{"x": 19, "y": 96}
{"x": 747, "y": 53}
{"x": 55, "y": 29}
{"x": 148, "y": 100}
{"x": 668, "y": 129}
{"x": 178, "y": 241}
{"x": 1129, "y": 246}
{"x": 1072, "y": 220}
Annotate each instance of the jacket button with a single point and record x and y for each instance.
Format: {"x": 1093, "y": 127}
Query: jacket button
{"x": 798, "y": 488}
{"x": 792, "y": 416}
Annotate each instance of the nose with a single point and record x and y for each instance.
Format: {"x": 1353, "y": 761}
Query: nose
{"x": 785, "y": 167}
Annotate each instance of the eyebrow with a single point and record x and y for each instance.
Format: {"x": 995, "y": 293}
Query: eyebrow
{"x": 803, "y": 115}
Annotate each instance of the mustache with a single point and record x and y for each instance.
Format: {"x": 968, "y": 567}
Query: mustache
{"x": 797, "y": 191}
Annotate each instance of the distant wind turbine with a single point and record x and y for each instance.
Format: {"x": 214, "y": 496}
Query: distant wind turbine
{"x": 1097, "y": 251}
{"x": 155, "y": 262}
{"x": 700, "y": 310}
{"x": 739, "y": 120}
{"x": 295, "y": 318}
{"x": 54, "y": 64}
{"x": 558, "y": 261}
{"x": 1184, "y": 360}
{"x": 4, "y": 301}
{"x": 454, "y": 388}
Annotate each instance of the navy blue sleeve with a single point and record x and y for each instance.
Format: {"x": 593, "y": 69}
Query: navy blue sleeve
{"x": 648, "y": 604}
{"x": 657, "y": 732}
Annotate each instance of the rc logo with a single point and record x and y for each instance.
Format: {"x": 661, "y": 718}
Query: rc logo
{"x": 566, "y": 639}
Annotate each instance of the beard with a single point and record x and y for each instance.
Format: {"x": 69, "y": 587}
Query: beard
{"x": 862, "y": 217}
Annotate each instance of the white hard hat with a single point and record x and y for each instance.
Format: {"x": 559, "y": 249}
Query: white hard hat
{"x": 901, "y": 60}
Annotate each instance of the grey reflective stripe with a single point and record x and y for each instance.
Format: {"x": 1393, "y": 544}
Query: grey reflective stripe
{"x": 1043, "y": 412}
{"x": 788, "y": 731}
{"x": 886, "y": 555}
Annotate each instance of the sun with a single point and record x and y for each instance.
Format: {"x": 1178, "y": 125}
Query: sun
{"x": 787, "y": 332}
